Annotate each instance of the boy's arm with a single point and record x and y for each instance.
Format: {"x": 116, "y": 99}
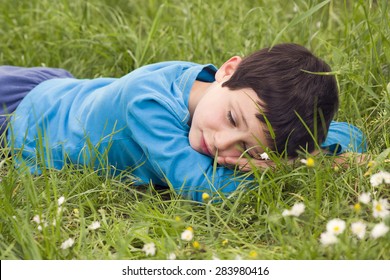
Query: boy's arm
{"x": 344, "y": 137}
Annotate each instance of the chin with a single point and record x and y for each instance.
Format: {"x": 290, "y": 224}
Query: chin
{"x": 197, "y": 149}
{"x": 192, "y": 145}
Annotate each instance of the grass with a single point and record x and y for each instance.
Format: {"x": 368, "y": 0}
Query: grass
{"x": 110, "y": 38}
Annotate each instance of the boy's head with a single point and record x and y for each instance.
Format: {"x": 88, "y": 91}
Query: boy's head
{"x": 295, "y": 98}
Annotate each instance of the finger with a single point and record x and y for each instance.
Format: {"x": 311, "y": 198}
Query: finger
{"x": 245, "y": 168}
{"x": 236, "y": 160}
{"x": 233, "y": 162}
{"x": 244, "y": 164}
{"x": 222, "y": 161}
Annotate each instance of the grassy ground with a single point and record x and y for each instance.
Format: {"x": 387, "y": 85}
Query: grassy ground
{"x": 110, "y": 38}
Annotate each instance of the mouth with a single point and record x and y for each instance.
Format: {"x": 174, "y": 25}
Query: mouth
{"x": 204, "y": 147}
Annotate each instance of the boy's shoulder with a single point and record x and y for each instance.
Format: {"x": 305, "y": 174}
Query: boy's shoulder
{"x": 177, "y": 67}
{"x": 167, "y": 64}
{"x": 162, "y": 75}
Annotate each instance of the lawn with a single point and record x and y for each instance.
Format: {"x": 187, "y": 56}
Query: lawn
{"x": 81, "y": 213}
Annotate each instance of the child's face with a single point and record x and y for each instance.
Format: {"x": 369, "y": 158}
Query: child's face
{"x": 224, "y": 122}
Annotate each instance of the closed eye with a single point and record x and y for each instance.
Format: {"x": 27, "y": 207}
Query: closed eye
{"x": 230, "y": 118}
{"x": 233, "y": 122}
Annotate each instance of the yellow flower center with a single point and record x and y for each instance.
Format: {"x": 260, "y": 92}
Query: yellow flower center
{"x": 76, "y": 212}
{"x": 378, "y": 207}
{"x": 357, "y": 207}
{"x": 336, "y": 228}
{"x": 310, "y": 162}
{"x": 190, "y": 229}
{"x": 196, "y": 244}
{"x": 253, "y": 254}
{"x": 205, "y": 196}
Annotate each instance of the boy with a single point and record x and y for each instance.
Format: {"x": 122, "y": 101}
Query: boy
{"x": 167, "y": 121}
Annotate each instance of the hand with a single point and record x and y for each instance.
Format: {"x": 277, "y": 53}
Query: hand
{"x": 345, "y": 159}
{"x": 244, "y": 164}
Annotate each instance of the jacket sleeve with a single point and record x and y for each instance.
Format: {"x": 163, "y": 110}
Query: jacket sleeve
{"x": 161, "y": 133}
{"x": 343, "y": 137}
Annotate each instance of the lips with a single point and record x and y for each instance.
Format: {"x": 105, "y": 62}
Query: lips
{"x": 204, "y": 147}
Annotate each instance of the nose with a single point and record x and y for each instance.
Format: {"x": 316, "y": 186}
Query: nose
{"x": 228, "y": 142}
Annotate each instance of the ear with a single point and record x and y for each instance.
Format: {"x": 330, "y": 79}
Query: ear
{"x": 227, "y": 69}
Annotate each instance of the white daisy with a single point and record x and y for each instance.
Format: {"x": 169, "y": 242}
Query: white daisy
{"x": 365, "y": 198}
{"x": 296, "y": 210}
{"x": 359, "y": 229}
{"x": 264, "y": 156}
{"x": 286, "y": 213}
{"x": 61, "y": 200}
{"x": 41, "y": 223}
{"x": 171, "y": 256}
{"x": 94, "y": 225}
{"x": 67, "y": 244}
{"x": 335, "y": 226}
{"x": 187, "y": 235}
{"x": 37, "y": 219}
{"x": 149, "y": 249}
{"x": 380, "y": 208}
{"x": 379, "y": 178}
{"x": 328, "y": 238}
{"x": 379, "y": 230}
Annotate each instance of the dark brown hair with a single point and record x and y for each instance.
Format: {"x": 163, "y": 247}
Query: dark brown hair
{"x": 296, "y": 98}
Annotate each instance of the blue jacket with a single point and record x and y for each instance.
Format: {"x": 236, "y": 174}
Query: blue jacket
{"x": 137, "y": 123}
